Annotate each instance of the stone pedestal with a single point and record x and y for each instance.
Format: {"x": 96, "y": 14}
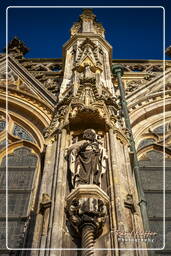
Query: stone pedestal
{"x": 86, "y": 211}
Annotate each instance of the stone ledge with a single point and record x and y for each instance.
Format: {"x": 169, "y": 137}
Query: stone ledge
{"x": 88, "y": 191}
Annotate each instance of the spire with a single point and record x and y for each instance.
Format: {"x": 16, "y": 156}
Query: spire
{"x": 87, "y": 60}
{"x": 87, "y": 24}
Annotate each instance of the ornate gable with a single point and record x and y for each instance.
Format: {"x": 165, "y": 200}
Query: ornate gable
{"x": 20, "y": 80}
{"x": 47, "y": 71}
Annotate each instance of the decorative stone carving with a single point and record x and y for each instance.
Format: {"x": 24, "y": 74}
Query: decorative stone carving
{"x": 168, "y": 51}
{"x": 99, "y": 29}
{"x": 75, "y": 28}
{"x": 88, "y": 75}
{"x": 133, "y": 85}
{"x": 50, "y": 83}
{"x": 47, "y": 71}
{"x": 40, "y": 66}
{"x": 75, "y": 109}
{"x": 10, "y": 75}
{"x": 149, "y": 77}
{"x": 45, "y": 205}
{"x": 88, "y": 43}
{"x": 86, "y": 212}
{"x": 86, "y": 160}
{"x": 129, "y": 203}
{"x": 145, "y": 72}
{"x": 87, "y": 23}
{"x": 17, "y": 48}
{"x": 57, "y": 121}
{"x": 46, "y": 202}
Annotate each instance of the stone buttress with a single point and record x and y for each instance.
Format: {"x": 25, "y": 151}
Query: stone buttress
{"x": 104, "y": 211}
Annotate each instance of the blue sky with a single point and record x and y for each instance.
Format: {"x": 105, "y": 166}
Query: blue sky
{"x": 134, "y": 33}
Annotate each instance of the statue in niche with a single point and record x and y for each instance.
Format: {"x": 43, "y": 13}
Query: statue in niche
{"x": 87, "y": 72}
{"x": 87, "y": 76}
{"x": 87, "y": 160}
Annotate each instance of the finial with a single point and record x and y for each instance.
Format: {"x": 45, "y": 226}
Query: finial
{"x": 168, "y": 51}
{"x": 87, "y": 24}
{"x": 17, "y": 48}
{"x": 88, "y": 14}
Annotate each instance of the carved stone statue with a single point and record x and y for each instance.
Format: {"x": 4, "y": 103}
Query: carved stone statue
{"x": 88, "y": 73}
{"x": 45, "y": 205}
{"x": 86, "y": 160}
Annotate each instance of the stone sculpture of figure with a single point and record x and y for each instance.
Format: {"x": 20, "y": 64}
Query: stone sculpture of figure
{"x": 88, "y": 74}
{"x": 45, "y": 205}
{"x": 87, "y": 160}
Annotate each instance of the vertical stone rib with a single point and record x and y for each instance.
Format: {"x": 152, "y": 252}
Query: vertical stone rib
{"x": 53, "y": 190}
{"x": 45, "y": 188}
{"x": 59, "y": 200}
{"x": 88, "y": 240}
{"x": 112, "y": 212}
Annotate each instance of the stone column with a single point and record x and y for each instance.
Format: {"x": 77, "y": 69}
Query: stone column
{"x": 53, "y": 190}
{"x": 112, "y": 206}
{"x": 46, "y": 183}
{"x": 119, "y": 198}
{"x": 87, "y": 240}
{"x": 59, "y": 200}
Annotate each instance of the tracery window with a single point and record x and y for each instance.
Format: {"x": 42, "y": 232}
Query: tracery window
{"x": 22, "y": 164}
{"x": 2, "y": 144}
{"x": 20, "y": 132}
{"x": 151, "y": 171}
{"x": 2, "y": 125}
{"x": 2, "y": 129}
{"x": 146, "y": 142}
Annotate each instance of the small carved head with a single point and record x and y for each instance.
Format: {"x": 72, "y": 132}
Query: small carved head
{"x": 129, "y": 198}
{"x": 89, "y": 134}
{"x": 45, "y": 197}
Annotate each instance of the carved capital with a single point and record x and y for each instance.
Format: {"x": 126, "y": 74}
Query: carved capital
{"x": 87, "y": 206}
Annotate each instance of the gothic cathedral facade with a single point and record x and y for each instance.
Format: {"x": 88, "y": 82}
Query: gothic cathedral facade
{"x": 84, "y": 140}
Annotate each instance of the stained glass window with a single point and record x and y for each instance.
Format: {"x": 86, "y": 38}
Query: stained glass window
{"x": 146, "y": 142}
{"x": 151, "y": 171}
{"x": 22, "y": 133}
{"x": 21, "y": 168}
{"x": 2, "y": 144}
{"x": 2, "y": 125}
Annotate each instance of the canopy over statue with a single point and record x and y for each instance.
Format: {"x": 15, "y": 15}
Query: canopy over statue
{"x": 87, "y": 160}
